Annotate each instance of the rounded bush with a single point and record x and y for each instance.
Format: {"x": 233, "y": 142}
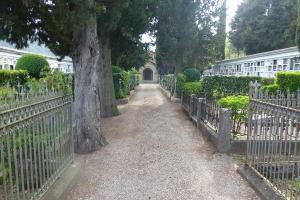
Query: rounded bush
{"x": 34, "y": 64}
{"x": 192, "y": 74}
{"x": 238, "y": 105}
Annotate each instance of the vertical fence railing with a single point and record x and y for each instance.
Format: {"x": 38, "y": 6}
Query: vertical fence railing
{"x": 185, "y": 101}
{"x": 193, "y": 106}
{"x": 273, "y": 148}
{"x": 36, "y": 144}
{"x": 210, "y": 113}
{"x": 282, "y": 98}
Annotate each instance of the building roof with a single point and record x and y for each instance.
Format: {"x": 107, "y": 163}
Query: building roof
{"x": 33, "y": 48}
{"x": 263, "y": 54}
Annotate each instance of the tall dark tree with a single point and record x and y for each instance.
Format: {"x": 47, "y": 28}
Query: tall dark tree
{"x": 186, "y": 34}
{"x": 221, "y": 31}
{"x": 298, "y": 25}
{"x": 68, "y": 28}
{"x": 264, "y": 25}
{"x": 120, "y": 28}
{"x": 175, "y": 33}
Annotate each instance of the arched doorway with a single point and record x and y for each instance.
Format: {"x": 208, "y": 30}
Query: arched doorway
{"x": 148, "y": 74}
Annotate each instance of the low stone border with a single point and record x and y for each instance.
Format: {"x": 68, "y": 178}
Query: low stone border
{"x": 64, "y": 183}
{"x": 168, "y": 95}
{"x": 259, "y": 184}
{"x": 208, "y": 133}
{"x": 125, "y": 100}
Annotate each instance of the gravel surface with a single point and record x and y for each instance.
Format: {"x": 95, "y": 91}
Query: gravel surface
{"x": 155, "y": 152}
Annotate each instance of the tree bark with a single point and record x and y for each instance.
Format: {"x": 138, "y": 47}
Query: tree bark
{"x": 107, "y": 97}
{"x": 87, "y": 134}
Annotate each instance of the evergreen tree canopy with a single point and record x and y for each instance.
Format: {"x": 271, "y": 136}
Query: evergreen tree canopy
{"x": 189, "y": 33}
{"x": 264, "y": 25}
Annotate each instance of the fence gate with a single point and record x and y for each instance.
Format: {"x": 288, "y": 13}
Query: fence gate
{"x": 273, "y": 148}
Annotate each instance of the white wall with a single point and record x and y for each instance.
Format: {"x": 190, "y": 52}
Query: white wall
{"x": 9, "y": 57}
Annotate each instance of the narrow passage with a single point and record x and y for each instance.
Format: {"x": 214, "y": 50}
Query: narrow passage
{"x": 155, "y": 152}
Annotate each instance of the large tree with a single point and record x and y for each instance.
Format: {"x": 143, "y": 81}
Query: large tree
{"x": 68, "y": 28}
{"x": 298, "y": 25}
{"x": 176, "y": 30}
{"x": 120, "y": 29}
{"x": 221, "y": 31}
{"x": 264, "y": 25}
{"x": 188, "y": 34}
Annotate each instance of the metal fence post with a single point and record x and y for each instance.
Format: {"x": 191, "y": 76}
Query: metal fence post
{"x": 199, "y": 110}
{"x": 224, "y": 131}
{"x": 191, "y": 105}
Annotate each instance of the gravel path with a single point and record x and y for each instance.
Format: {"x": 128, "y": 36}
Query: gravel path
{"x": 155, "y": 152}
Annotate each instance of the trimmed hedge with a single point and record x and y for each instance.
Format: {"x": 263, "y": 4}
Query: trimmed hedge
{"x": 13, "y": 77}
{"x": 34, "y": 64}
{"x": 121, "y": 82}
{"x": 288, "y": 80}
{"x": 191, "y": 74}
{"x": 220, "y": 86}
{"x": 270, "y": 88}
{"x": 192, "y": 88}
{"x": 267, "y": 81}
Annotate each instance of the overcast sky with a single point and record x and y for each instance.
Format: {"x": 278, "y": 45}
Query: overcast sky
{"x": 232, "y": 6}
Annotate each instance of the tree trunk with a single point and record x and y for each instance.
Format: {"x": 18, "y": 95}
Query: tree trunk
{"x": 87, "y": 134}
{"x": 107, "y": 97}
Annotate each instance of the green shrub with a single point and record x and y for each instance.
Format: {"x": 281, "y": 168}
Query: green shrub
{"x": 120, "y": 79}
{"x": 221, "y": 86}
{"x": 192, "y": 88}
{"x": 167, "y": 82}
{"x": 58, "y": 81}
{"x": 34, "y": 64}
{"x": 192, "y": 74}
{"x": 270, "y": 88}
{"x": 288, "y": 80}
{"x": 181, "y": 79}
{"x": 13, "y": 77}
{"x": 267, "y": 81}
{"x": 6, "y": 92}
{"x": 133, "y": 78}
{"x": 239, "y": 109}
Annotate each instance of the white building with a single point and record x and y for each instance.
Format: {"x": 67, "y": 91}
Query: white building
{"x": 265, "y": 64}
{"x": 9, "y": 57}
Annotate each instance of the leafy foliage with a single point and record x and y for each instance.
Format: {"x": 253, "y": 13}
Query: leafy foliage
{"x": 133, "y": 78}
{"x": 167, "y": 82}
{"x": 220, "y": 86}
{"x": 122, "y": 79}
{"x": 186, "y": 34}
{"x": 192, "y": 88}
{"x": 13, "y": 77}
{"x": 5, "y": 91}
{"x": 34, "y": 64}
{"x": 238, "y": 105}
{"x": 270, "y": 88}
{"x": 288, "y": 80}
{"x": 264, "y": 25}
{"x": 191, "y": 74}
{"x": 181, "y": 79}
{"x": 267, "y": 81}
